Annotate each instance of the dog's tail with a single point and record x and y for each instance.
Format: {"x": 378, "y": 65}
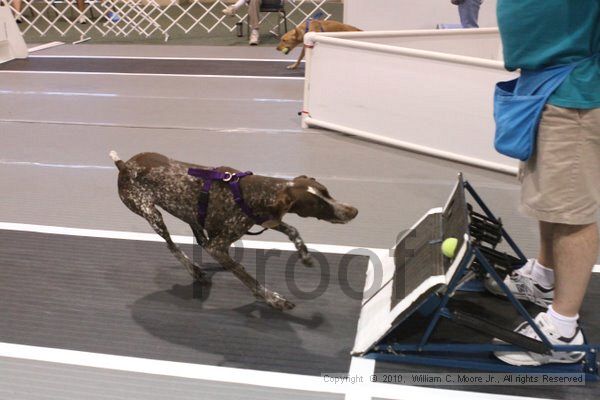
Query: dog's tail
{"x": 118, "y": 162}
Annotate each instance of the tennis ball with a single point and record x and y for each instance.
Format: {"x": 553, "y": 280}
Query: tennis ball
{"x": 449, "y": 247}
{"x": 285, "y": 50}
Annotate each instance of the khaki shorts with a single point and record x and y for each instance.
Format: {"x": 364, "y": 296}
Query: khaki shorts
{"x": 561, "y": 181}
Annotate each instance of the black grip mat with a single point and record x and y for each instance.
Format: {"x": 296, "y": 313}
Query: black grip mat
{"x": 133, "y": 298}
{"x": 154, "y": 66}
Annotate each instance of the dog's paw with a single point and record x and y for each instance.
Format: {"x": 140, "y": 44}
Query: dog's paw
{"x": 308, "y": 261}
{"x": 283, "y": 305}
{"x": 203, "y": 281}
{"x": 201, "y": 277}
{"x": 293, "y": 66}
{"x": 278, "y": 302}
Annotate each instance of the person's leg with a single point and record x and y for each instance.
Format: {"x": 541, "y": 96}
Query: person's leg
{"x": 575, "y": 252}
{"x": 82, "y": 19}
{"x": 468, "y": 11}
{"x": 568, "y": 253}
{"x": 560, "y": 187}
{"x": 254, "y": 20}
{"x": 546, "y": 253}
{"x": 17, "y": 6}
{"x": 542, "y": 271}
{"x": 253, "y": 14}
{"x": 534, "y": 281}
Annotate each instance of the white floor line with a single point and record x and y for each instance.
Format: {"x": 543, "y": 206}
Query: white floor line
{"x": 293, "y": 78}
{"x": 363, "y": 368}
{"x": 324, "y": 178}
{"x": 269, "y": 131}
{"x": 369, "y": 179}
{"x": 234, "y": 375}
{"x": 162, "y": 58}
{"x": 152, "y": 237}
{"x": 44, "y": 47}
{"x": 50, "y": 165}
{"x": 149, "y": 97}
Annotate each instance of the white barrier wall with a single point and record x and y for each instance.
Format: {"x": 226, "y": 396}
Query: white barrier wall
{"x": 410, "y": 14}
{"x": 431, "y": 101}
{"x": 12, "y": 44}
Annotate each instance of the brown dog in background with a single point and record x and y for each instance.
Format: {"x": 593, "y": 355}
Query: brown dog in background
{"x": 296, "y": 36}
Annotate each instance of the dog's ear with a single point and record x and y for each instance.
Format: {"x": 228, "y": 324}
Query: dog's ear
{"x": 310, "y": 178}
{"x": 280, "y": 207}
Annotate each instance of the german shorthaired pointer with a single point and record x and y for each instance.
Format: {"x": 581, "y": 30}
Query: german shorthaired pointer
{"x": 148, "y": 180}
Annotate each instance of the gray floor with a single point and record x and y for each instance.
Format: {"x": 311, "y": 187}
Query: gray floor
{"x": 71, "y": 120}
{"x": 28, "y": 380}
{"x": 57, "y": 131}
{"x": 98, "y": 50}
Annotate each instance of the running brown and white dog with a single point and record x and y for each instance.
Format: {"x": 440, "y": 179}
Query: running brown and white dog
{"x": 295, "y": 37}
{"x": 150, "y": 180}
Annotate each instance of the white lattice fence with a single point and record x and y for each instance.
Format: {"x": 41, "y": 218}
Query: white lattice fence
{"x": 142, "y": 17}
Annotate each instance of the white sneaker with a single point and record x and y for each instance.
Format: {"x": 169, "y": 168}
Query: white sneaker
{"x": 533, "y": 359}
{"x": 254, "y": 37}
{"x": 229, "y": 11}
{"x": 521, "y": 284}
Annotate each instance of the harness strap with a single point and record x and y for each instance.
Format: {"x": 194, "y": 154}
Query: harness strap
{"x": 207, "y": 176}
{"x": 233, "y": 181}
{"x": 236, "y": 190}
{"x": 308, "y": 21}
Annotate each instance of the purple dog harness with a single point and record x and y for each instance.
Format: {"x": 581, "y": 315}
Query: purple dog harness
{"x": 233, "y": 180}
{"x": 308, "y": 21}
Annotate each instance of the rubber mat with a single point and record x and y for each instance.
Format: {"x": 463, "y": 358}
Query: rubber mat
{"x": 133, "y": 298}
{"x": 153, "y": 66}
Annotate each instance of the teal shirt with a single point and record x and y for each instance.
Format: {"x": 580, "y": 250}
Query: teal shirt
{"x": 540, "y": 33}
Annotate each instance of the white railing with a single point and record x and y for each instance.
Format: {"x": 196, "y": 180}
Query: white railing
{"x": 427, "y": 91}
{"x": 141, "y": 17}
